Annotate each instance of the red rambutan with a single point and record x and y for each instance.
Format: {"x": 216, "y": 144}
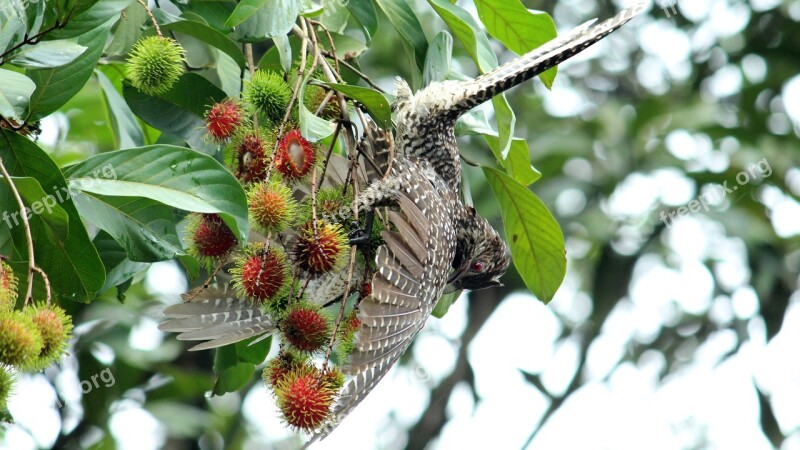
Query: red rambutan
{"x": 251, "y": 157}
{"x": 304, "y": 399}
{"x": 262, "y": 273}
{"x": 305, "y": 327}
{"x": 223, "y": 118}
{"x": 322, "y": 251}
{"x": 209, "y": 238}
{"x": 278, "y": 367}
{"x": 295, "y": 157}
{"x": 8, "y": 287}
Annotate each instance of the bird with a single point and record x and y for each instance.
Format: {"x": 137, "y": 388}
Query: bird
{"x": 425, "y": 121}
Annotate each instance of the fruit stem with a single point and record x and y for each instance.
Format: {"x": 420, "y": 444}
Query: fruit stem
{"x": 152, "y": 17}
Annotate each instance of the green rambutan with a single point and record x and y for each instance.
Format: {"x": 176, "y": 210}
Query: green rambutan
{"x": 8, "y": 287}
{"x": 20, "y": 340}
{"x": 268, "y": 94}
{"x": 55, "y": 327}
{"x": 155, "y": 64}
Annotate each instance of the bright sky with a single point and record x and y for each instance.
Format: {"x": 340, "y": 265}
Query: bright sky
{"x": 710, "y": 399}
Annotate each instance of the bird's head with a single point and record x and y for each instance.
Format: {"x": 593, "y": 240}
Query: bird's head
{"x": 481, "y": 256}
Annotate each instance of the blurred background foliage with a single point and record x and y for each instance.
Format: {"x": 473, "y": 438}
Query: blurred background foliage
{"x": 674, "y": 104}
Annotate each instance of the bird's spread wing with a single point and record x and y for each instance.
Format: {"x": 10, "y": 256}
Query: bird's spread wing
{"x": 411, "y": 273}
{"x": 216, "y": 314}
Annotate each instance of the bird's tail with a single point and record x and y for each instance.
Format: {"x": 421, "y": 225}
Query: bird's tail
{"x": 541, "y": 59}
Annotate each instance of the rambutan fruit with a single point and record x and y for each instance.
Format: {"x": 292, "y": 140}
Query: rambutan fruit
{"x": 304, "y": 399}
{"x": 347, "y": 333}
{"x": 8, "y": 287}
{"x": 322, "y": 251}
{"x": 20, "y": 340}
{"x": 55, "y": 327}
{"x": 251, "y": 157}
{"x": 331, "y": 203}
{"x": 333, "y": 378}
{"x": 271, "y": 205}
{"x": 262, "y": 273}
{"x": 155, "y": 64}
{"x": 278, "y": 367}
{"x": 295, "y": 156}
{"x": 7, "y": 380}
{"x": 305, "y": 327}
{"x": 223, "y": 118}
{"x": 209, "y": 238}
{"x": 268, "y": 94}
{"x": 314, "y": 98}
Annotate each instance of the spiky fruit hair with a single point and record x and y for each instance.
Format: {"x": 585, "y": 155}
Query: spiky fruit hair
{"x": 7, "y": 380}
{"x": 295, "y": 156}
{"x": 271, "y": 205}
{"x": 209, "y": 238}
{"x": 155, "y": 64}
{"x": 278, "y": 367}
{"x": 252, "y": 152}
{"x": 315, "y": 96}
{"x": 224, "y": 118}
{"x": 20, "y": 340}
{"x": 8, "y": 287}
{"x": 268, "y": 94}
{"x": 262, "y": 273}
{"x": 321, "y": 250}
{"x": 305, "y": 327}
{"x": 330, "y": 202}
{"x": 304, "y": 399}
{"x": 55, "y": 327}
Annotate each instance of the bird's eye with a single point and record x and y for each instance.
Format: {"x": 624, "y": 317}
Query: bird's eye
{"x": 477, "y": 266}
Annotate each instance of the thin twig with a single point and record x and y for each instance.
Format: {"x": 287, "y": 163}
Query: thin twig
{"x": 251, "y": 66}
{"x": 361, "y": 74}
{"x": 152, "y": 17}
{"x": 30, "y": 40}
{"x": 29, "y": 239}
{"x": 46, "y": 283}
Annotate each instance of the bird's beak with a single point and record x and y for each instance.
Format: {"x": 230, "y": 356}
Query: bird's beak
{"x": 457, "y": 274}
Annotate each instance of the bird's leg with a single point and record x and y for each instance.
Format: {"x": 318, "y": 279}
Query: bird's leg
{"x": 361, "y": 236}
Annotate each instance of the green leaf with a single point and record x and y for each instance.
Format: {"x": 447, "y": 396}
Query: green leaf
{"x": 535, "y": 238}
{"x": 518, "y": 28}
{"x": 54, "y": 87}
{"x": 47, "y": 54}
{"x": 284, "y": 48}
{"x": 15, "y": 92}
{"x": 439, "y": 58}
{"x": 72, "y": 265}
{"x": 312, "y": 127}
{"x": 175, "y": 176}
{"x": 444, "y": 303}
{"x": 253, "y": 353}
{"x": 144, "y": 228}
{"x": 43, "y": 205}
{"x": 374, "y": 101}
{"x": 179, "y": 111}
{"x": 469, "y": 33}
{"x": 366, "y": 16}
{"x": 210, "y": 36}
{"x": 126, "y": 128}
{"x": 92, "y": 19}
{"x": 518, "y": 163}
{"x": 244, "y": 10}
{"x": 119, "y": 269}
{"x": 405, "y": 21}
{"x": 233, "y": 378}
{"x": 127, "y": 31}
{"x": 274, "y": 18}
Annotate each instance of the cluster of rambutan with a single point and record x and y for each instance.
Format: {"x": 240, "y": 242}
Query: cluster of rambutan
{"x": 31, "y": 338}
{"x": 271, "y": 161}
